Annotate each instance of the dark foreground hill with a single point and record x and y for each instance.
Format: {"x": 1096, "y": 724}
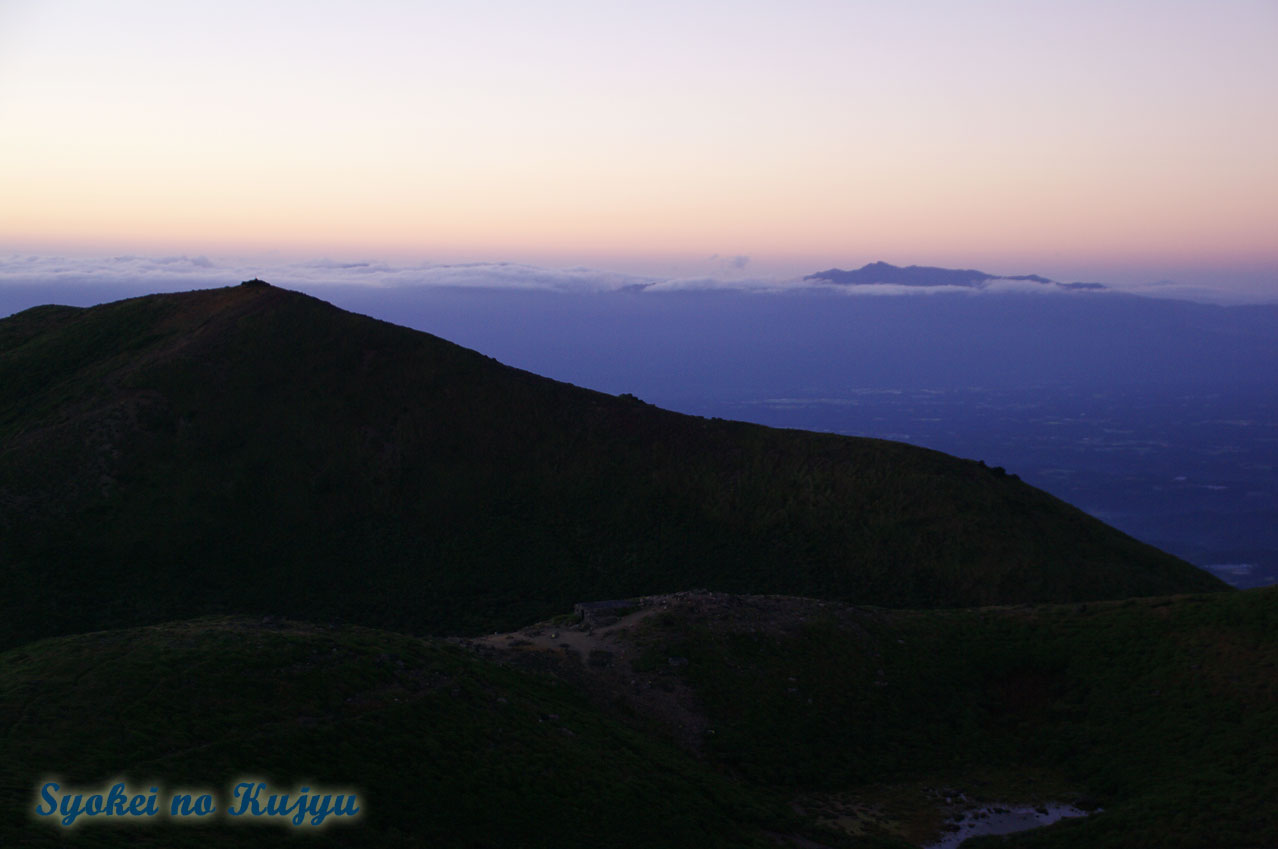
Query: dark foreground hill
{"x": 254, "y": 449}
{"x": 826, "y": 723}
{"x": 438, "y": 747}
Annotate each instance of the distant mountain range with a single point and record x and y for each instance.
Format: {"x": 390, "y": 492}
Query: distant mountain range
{"x": 882, "y": 273}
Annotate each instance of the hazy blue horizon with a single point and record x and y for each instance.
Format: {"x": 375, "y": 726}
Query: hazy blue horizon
{"x": 86, "y": 275}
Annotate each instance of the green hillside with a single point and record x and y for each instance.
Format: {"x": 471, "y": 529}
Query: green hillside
{"x": 1159, "y": 712}
{"x": 818, "y": 725}
{"x": 251, "y": 449}
{"x": 439, "y": 748}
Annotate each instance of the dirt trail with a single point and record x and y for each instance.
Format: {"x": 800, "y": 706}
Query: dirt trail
{"x": 581, "y": 638}
{"x": 597, "y": 653}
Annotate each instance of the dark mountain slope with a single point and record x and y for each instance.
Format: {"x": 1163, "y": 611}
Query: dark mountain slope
{"x": 1159, "y": 710}
{"x": 254, "y": 449}
{"x": 440, "y": 748}
{"x": 872, "y": 721}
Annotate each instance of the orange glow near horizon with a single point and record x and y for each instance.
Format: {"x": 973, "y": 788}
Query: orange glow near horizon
{"x": 826, "y": 133}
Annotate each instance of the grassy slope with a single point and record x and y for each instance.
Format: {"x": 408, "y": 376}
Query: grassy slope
{"x": 444, "y": 750}
{"x": 1161, "y": 710}
{"x": 253, "y": 449}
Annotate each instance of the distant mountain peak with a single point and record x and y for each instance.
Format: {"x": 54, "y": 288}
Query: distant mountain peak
{"x": 884, "y": 273}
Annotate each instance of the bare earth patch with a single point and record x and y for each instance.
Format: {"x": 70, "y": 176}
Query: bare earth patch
{"x": 597, "y": 653}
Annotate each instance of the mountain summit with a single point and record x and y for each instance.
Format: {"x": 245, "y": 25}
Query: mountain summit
{"x": 879, "y": 273}
{"x": 252, "y": 449}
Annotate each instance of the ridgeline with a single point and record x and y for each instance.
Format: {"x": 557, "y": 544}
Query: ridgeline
{"x": 255, "y": 450}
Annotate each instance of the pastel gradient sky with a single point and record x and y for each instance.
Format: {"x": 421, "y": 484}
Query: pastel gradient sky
{"x": 1082, "y": 140}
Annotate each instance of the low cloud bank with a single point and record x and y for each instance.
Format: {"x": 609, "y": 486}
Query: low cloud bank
{"x": 140, "y": 274}
{"x": 181, "y": 271}
{"x": 199, "y": 271}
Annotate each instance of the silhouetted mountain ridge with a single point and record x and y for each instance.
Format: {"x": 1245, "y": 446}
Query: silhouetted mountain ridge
{"x": 252, "y": 449}
{"x": 882, "y": 273}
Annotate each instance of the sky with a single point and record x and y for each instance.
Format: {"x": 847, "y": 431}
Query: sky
{"x": 1126, "y": 142}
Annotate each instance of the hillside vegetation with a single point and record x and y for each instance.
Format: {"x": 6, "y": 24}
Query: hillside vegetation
{"x": 820, "y": 724}
{"x": 1154, "y": 714}
{"x": 440, "y": 749}
{"x": 251, "y": 449}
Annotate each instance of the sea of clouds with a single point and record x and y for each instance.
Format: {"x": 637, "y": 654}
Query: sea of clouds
{"x": 161, "y": 273}
{"x": 80, "y": 275}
